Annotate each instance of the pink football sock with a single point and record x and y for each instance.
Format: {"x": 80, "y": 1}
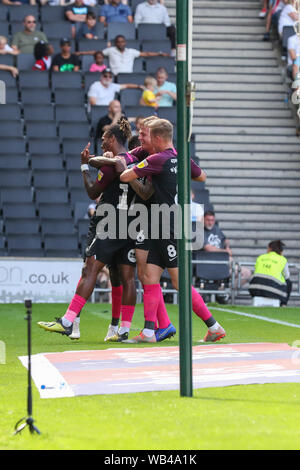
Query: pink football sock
{"x": 152, "y": 298}
{"x": 127, "y": 312}
{"x": 199, "y": 306}
{"x": 116, "y": 301}
{"x": 162, "y": 314}
{"x": 75, "y": 307}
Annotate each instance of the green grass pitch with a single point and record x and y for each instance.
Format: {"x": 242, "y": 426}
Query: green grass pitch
{"x": 239, "y": 417}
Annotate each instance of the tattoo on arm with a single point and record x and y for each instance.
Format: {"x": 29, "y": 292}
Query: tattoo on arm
{"x": 144, "y": 191}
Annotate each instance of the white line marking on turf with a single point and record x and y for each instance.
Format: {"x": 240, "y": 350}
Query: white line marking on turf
{"x": 257, "y": 317}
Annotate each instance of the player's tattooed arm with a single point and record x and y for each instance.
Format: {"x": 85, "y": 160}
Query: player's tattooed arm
{"x": 91, "y": 187}
{"x": 143, "y": 190}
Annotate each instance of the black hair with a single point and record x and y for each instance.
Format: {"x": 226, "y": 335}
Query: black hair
{"x": 40, "y": 50}
{"x": 119, "y": 36}
{"x": 209, "y": 213}
{"x": 91, "y": 14}
{"x": 98, "y": 52}
{"x": 134, "y": 142}
{"x": 121, "y": 131}
{"x": 277, "y": 246}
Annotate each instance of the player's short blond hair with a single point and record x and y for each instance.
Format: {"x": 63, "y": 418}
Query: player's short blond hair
{"x": 162, "y": 128}
{"x": 148, "y": 120}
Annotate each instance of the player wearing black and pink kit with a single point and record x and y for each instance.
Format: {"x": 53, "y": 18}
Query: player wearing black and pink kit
{"x": 162, "y": 167}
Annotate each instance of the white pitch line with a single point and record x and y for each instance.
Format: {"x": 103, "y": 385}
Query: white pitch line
{"x": 257, "y": 317}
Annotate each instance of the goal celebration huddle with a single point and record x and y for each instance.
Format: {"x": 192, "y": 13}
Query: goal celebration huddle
{"x": 144, "y": 177}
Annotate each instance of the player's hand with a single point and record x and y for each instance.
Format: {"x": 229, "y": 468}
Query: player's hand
{"x": 85, "y": 155}
{"x": 120, "y": 164}
{"x": 108, "y": 155}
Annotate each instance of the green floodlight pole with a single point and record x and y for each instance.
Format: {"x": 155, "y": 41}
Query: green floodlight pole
{"x": 184, "y": 198}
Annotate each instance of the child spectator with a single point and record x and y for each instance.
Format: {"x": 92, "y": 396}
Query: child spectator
{"x": 42, "y": 53}
{"x": 5, "y": 48}
{"x": 88, "y": 30}
{"x": 65, "y": 61}
{"x": 149, "y": 98}
{"x": 98, "y": 65}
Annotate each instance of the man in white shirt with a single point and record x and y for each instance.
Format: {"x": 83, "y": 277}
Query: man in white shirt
{"x": 152, "y": 11}
{"x": 103, "y": 91}
{"x": 121, "y": 58}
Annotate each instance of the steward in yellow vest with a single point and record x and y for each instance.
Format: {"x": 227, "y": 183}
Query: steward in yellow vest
{"x": 272, "y": 277}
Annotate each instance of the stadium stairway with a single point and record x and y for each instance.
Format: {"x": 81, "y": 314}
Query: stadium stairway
{"x": 245, "y": 131}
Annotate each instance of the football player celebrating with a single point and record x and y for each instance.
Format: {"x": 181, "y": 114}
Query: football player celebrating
{"x": 162, "y": 167}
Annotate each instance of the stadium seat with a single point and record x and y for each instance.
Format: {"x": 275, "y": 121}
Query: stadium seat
{"x": 52, "y": 14}
{"x": 168, "y": 113}
{"x": 201, "y": 195}
{"x": 130, "y": 97}
{"x": 72, "y": 162}
{"x": 75, "y": 179}
{"x": 75, "y": 146}
{"x": 162, "y": 45}
{"x": 30, "y": 95}
{"x": 44, "y": 146}
{"x": 7, "y": 77}
{"x": 51, "y": 195}
{"x": 33, "y": 79}
{"x": 19, "y": 209}
{"x": 47, "y": 162}
{"x": 61, "y": 29}
{"x": 89, "y": 79}
{"x": 21, "y": 162}
{"x": 10, "y": 111}
{"x": 83, "y": 226}
{"x": 79, "y": 195}
{"x": 18, "y": 14}
{"x": 40, "y": 129}
{"x": 69, "y": 97}
{"x": 17, "y": 194}
{"x": 4, "y": 29}
{"x": 55, "y": 210}
{"x": 137, "y": 78}
{"x": 126, "y": 29}
{"x": 154, "y": 63}
{"x": 36, "y": 112}
{"x": 7, "y": 59}
{"x": 80, "y": 210}
{"x": 65, "y": 113}
{"x": 79, "y": 130}
{"x": 60, "y": 245}
{"x": 12, "y": 145}
{"x": 2, "y": 246}
{"x": 12, "y": 95}
{"x": 134, "y": 111}
{"x": 25, "y": 245}
{"x": 66, "y": 80}
{"x": 148, "y": 31}
{"x": 52, "y": 227}
{"x": 134, "y": 4}
{"x": 49, "y": 178}
{"x": 22, "y": 225}
{"x": 97, "y": 112}
{"x": 213, "y": 267}
{"x": 25, "y": 62}
{"x": 11, "y": 128}
{"x": 3, "y": 12}
{"x": 91, "y": 45}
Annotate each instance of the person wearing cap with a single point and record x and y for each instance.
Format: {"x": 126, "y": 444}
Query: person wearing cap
{"x": 103, "y": 91}
{"x": 65, "y": 61}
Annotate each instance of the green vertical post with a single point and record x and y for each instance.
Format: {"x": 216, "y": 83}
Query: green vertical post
{"x": 184, "y": 175}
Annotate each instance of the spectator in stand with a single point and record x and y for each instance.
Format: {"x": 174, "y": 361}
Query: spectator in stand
{"x": 65, "y": 61}
{"x": 134, "y": 142}
{"x": 216, "y": 241}
{"x": 19, "y": 2}
{"x": 98, "y": 65}
{"x": 103, "y": 91}
{"x": 24, "y": 41}
{"x": 121, "y": 58}
{"x": 263, "y": 12}
{"x": 111, "y": 118}
{"x": 274, "y": 12}
{"x": 13, "y": 70}
{"x": 76, "y": 13}
{"x": 153, "y": 12}
{"x": 42, "y": 54}
{"x": 137, "y": 125}
{"x": 293, "y": 56}
{"x": 5, "y": 48}
{"x": 288, "y": 16}
{"x": 56, "y": 3}
{"x": 115, "y": 12}
{"x": 165, "y": 90}
{"x": 148, "y": 97}
{"x": 88, "y": 29}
